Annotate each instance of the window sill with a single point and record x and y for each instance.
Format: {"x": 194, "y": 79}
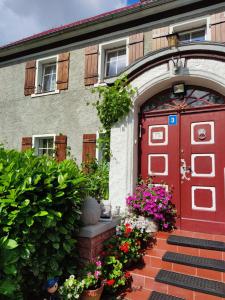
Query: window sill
{"x": 45, "y": 94}
{"x": 102, "y": 83}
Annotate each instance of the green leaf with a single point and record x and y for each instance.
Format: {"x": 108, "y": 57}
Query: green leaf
{"x": 66, "y": 247}
{"x": 26, "y": 202}
{"x": 7, "y": 287}
{"x": 29, "y": 221}
{"x": 10, "y": 244}
{"x": 55, "y": 245}
{"x": 41, "y": 214}
{"x": 10, "y": 269}
{"x": 60, "y": 179}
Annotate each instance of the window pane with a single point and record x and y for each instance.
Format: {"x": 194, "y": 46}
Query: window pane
{"x": 115, "y": 61}
{"x": 50, "y": 69}
{"x": 111, "y": 56}
{"x": 50, "y": 152}
{"x": 50, "y": 143}
{"x": 184, "y": 37}
{"x": 198, "y": 36}
{"x": 49, "y": 78}
{"x": 111, "y": 69}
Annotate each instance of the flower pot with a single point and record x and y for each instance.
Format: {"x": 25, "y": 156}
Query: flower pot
{"x": 92, "y": 294}
{"x": 147, "y": 223}
{"x": 90, "y": 211}
{"x": 152, "y": 226}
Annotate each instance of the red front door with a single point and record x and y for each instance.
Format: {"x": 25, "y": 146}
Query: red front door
{"x": 190, "y": 156}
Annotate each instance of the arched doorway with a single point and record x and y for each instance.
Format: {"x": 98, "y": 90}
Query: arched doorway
{"x": 183, "y": 145}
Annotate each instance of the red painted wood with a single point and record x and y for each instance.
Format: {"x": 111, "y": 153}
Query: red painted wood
{"x": 158, "y": 162}
{"x": 180, "y": 147}
{"x": 191, "y": 219}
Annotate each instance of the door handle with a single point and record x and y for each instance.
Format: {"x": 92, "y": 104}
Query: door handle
{"x": 188, "y": 169}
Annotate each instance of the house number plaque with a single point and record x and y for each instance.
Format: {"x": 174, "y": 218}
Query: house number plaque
{"x": 157, "y": 135}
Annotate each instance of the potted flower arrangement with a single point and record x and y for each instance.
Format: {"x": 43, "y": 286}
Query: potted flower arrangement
{"x": 71, "y": 289}
{"x": 153, "y": 201}
{"x": 92, "y": 281}
{"x": 116, "y": 278}
{"x": 128, "y": 243}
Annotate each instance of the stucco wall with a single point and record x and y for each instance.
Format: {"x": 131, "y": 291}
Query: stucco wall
{"x": 65, "y": 113}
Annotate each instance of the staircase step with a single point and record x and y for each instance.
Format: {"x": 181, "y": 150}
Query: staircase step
{"x": 195, "y": 261}
{"x": 160, "y": 296}
{"x": 196, "y": 243}
{"x": 192, "y": 283}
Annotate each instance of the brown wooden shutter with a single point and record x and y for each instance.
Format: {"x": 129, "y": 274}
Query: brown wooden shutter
{"x": 159, "y": 38}
{"x": 218, "y": 27}
{"x": 26, "y": 143}
{"x": 29, "y": 85}
{"x": 89, "y": 148}
{"x": 91, "y": 65}
{"x": 63, "y": 71}
{"x": 136, "y": 47}
{"x": 60, "y": 147}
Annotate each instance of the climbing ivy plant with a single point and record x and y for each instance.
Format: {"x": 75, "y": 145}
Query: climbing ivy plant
{"x": 114, "y": 103}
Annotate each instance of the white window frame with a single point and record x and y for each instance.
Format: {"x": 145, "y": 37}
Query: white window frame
{"x": 111, "y": 51}
{"x": 39, "y": 72}
{"x": 35, "y": 139}
{"x": 192, "y": 25}
{"x": 192, "y": 31}
{"x": 115, "y": 44}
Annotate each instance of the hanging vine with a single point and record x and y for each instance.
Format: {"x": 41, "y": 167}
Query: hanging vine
{"x": 113, "y": 104}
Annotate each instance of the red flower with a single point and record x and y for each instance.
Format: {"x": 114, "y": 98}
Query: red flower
{"x": 110, "y": 282}
{"x": 127, "y": 275}
{"x": 125, "y": 247}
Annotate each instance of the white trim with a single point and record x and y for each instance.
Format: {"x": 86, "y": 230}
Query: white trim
{"x": 39, "y": 63}
{"x": 118, "y": 43}
{"x": 46, "y": 135}
{"x": 194, "y": 174}
{"x": 212, "y": 189}
{"x": 191, "y": 25}
{"x": 150, "y": 136}
{"x": 165, "y": 173}
{"x": 45, "y": 94}
{"x": 211, "y": 141}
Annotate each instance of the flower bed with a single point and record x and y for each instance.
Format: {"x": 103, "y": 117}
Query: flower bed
{"x": 124, "y": 249}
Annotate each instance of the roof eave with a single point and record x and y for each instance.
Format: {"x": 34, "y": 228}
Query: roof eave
{"x": 132, "y": 13}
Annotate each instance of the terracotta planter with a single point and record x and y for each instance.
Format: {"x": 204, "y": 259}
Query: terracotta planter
{"x": 92, "y": 294}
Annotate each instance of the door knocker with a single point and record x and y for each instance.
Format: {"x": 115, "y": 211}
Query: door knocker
{"x": 202, "y": 134}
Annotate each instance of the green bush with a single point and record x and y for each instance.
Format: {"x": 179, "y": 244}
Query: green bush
{"x": 98, "y": 179}
{"x": 40, "y": 202}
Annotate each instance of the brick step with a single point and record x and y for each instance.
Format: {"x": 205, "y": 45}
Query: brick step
{"x": 196, "y": 243}
{"x": 152, "y": 264}
{"x": 192, "y": 283}
{"x": 144, "y": 276}
{"x": 143, "y": 294}
{"x": 162, "y": 246}
{"x": 195, "y": 261}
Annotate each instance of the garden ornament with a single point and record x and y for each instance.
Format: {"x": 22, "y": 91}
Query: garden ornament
{"x": 51, "y": 287}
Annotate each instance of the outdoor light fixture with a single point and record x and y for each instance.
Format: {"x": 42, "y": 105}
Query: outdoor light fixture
{"x": 179, "y": 88}
{"x": 173, "y": 40}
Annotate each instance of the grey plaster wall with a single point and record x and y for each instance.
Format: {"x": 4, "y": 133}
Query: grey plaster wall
{"x": 65, "y": 113}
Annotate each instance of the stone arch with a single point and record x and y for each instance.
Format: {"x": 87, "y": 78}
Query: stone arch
{"x": 152, "y": 78}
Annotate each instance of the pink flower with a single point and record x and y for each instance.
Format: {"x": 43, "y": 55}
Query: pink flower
{"x": 98, "y": 263}
{"x": 97, "y": 274}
